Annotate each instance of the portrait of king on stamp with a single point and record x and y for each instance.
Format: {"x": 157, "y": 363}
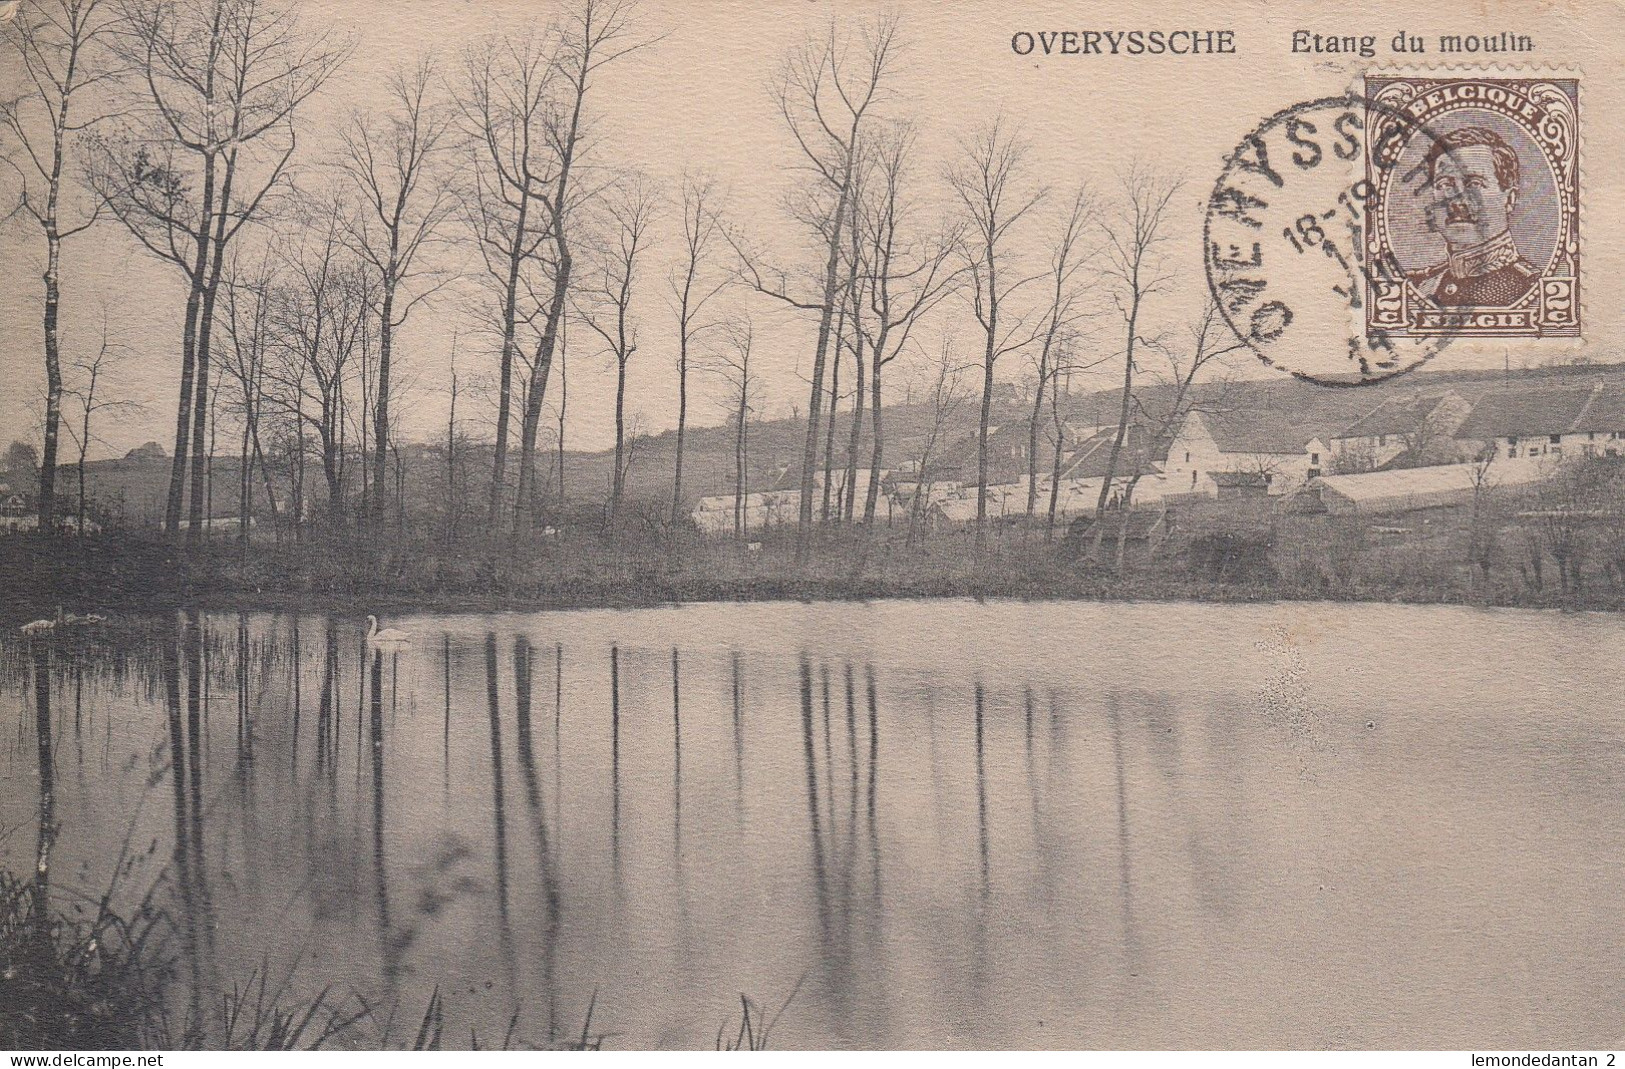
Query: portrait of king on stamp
{"x": 1474, "y": 222}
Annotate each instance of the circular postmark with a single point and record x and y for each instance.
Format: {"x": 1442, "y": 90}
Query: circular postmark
{"x": 1285, "y": 245}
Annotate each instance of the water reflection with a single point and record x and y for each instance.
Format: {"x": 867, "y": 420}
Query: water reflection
{"x": 1128, "y": 859}
{"x": 499, "y": 810}
{"x": 46, "y": 759}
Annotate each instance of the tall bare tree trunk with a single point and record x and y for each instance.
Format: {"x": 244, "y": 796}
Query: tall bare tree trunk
{"x": 510, "y": 297}
{"x": 682, "y": 428}
{"x": 983, "y": 422}
{"x": 380, "y": 409}
{"x": 854, "y": 439}
{"x": 1032, "y": 438}
{"x": 1054, "y": 484}
{"x": 834, "y": 399}
{"x": 618, "y": 485}
{"x": 871, "y": 494}
{"x": 524, "y": 514}
{"x": 245, "y": 488}
{"x": 196, "y": 273}
{"x": 564, "y": 397}
{"x": 1122, "y": 426}
{"x": 211, "y": 287}
{"x": 826, "y": 314}
{"x": 739, "y": 468}
{"x": 84, "y": 447}
{"x": 53, "y": 367}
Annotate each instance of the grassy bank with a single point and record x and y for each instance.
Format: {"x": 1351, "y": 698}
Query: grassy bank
{"x": 130, "y": 572}
{"x": 81, "y": 977}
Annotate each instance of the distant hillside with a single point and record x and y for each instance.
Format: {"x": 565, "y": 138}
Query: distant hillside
{"x": 133, "y": 488}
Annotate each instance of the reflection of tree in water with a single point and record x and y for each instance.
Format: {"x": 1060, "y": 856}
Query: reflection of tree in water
{"x": 845, "y": 867}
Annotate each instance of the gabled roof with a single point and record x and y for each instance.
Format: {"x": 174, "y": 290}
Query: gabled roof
{"x": 1281, "y": 429}
{"x": 1006, "y": 455}
{"x": 1093, "y": 456}
{"x": 1605, "y": 411}
{"x": 1396, "y": 415}
{"x": 1511, "y": 413}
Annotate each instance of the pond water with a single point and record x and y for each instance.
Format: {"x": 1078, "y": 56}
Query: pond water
{"x": 922, "y": 823}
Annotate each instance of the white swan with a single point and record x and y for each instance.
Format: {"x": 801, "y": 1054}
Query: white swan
{"x": 39, "y": 627}
{"x": 387, "y": 636}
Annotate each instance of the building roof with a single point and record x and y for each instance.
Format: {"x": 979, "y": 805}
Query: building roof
{"x": 1278, "y": 429}
{"x": 1091, "y": 458}
{"x": 1605, "y": 411}
{"x": 1396, "y": 415}
{"x": 1421, "y": 487}
{"x": 1553, "y": 410}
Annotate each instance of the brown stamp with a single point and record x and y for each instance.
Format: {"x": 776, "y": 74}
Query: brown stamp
{"x": 1475, "y": 207}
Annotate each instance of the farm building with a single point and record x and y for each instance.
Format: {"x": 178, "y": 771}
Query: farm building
{"x": 1406, "y": 489}
{"x": 1417, "y": 427}
{"x": 1571, "y": 421}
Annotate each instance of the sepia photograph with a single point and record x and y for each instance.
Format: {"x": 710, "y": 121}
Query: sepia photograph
{"x": 550, "y": 525}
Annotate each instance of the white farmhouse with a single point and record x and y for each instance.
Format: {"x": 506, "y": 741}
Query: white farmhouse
{"x": 1555, "y": 423}
{"x": 1286, "y": 448}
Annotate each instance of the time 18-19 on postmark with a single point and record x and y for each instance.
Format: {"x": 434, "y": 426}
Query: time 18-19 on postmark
{"x": 1352, "y": 237}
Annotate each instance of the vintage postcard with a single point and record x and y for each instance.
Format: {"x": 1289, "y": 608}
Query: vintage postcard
{"x": 655, "y": 525}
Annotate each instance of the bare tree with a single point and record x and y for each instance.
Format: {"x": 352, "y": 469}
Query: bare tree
{"x": 88, "y": 394}
{"x": 321, "y": 315}
{"x": 827, "y": 91}
{"x": 1136, "y": 268}
{"x": 248, "y": 295}
{"x": 60, "y": 48}
{"x": 692, "y": 289}
{"x": 455, "y": 497}
{"x": 1067, "y": 260}
{"x": 987, "y": 184}
{"x": 1174, "y": 398}
{"x": 509, "y": 107}
{"x": 607, "y": 304}
{"x": 225, "y": 79}
{"x": 946, "y": 395}
{"x": 732, "y": 364}
{"x": 596, "y": 33}
{"x": 526, "y": 110}
{"x": 1064, "y": 362}
{"x": 848, "y": 338}
{"x": 904, "y": 274}
{"x": 389, "y": 160}
{"x": 1484, "y": 518}
{"x": 1567, "y": 505}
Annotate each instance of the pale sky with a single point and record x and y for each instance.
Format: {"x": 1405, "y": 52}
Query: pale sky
{"x": 699, "y": 98}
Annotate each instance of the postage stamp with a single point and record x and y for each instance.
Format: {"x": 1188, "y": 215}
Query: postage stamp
{"x": 1474, "y": 208}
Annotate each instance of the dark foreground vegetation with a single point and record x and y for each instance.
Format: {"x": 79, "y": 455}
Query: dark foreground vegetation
{"x": 83, "y": 977}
